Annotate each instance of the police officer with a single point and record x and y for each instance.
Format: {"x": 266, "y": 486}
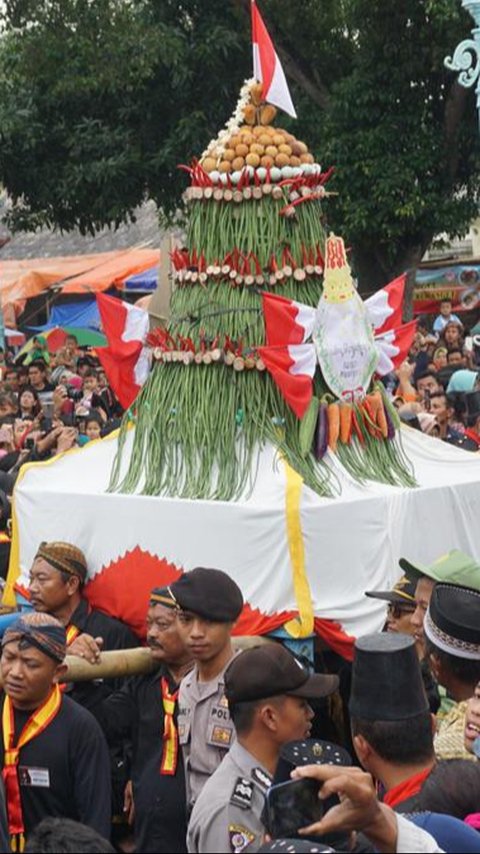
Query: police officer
{"x": 208, "y": 603}
{"x": 267, "y": 691}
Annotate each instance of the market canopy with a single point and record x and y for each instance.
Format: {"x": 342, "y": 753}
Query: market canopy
{"x": 21, "y": 280}
{"x": 457, "y": 282}
{"x": 146, "y": 281}
{"x": 82, "y": 313}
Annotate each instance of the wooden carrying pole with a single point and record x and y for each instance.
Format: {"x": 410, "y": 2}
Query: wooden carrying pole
{"x": 128, "y": 662}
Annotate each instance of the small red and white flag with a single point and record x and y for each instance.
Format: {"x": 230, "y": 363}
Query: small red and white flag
{"x": 393, "y": 347}
{"x": 267, "y": 67}
{"x": 292, "y": 369}
{"x": 384, "y": 307}
{"x": 287, "y": 321}
{"x": 126, "y": 360}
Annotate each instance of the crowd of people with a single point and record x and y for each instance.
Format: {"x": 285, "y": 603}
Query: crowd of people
{"x": 437, "y": 389}
{"x": 49, "y": 403}
{"x": 226, "y": 749}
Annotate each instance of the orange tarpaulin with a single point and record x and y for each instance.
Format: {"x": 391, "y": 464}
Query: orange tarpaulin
{"x": 80, "y": 274}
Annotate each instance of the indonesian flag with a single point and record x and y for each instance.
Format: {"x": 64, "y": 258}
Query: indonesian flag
{"x": 267, "y": 67}
{"x": 292, "y": 369}
{"x": 384, "y": 308}
{"x": 126, "y": 361}
{"x": 393, "y": 347}
{"x": 287, "y": 321}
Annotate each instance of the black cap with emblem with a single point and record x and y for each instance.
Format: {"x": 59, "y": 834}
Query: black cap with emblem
{"x": 210, "y": 593}
{"x": 314, "y": 751}
{"x": 269, "y": 671}
{"x": 310, "y": 751}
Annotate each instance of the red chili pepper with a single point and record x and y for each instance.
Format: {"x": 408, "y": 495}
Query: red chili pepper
{"x": 258, "y": 268}
{"x": 289, "y": 258}
{"x": 325, "y": 176}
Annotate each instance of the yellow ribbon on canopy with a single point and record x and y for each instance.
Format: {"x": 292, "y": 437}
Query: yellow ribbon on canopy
{"x": 301, "y": 626}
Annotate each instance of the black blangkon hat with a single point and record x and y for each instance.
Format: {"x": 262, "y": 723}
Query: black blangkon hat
{"x": 387, "y": 682}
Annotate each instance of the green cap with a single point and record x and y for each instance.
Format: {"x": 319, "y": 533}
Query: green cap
{"x": 455, "y": 567}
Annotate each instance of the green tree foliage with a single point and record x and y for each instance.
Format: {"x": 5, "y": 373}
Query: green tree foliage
{"x": 101, "y": 99}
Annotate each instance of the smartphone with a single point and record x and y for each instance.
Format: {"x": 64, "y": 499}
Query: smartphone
{"x": 292, "y": 805}
{"x": 426, "y": 400}
{"x": 48, "y": 409}
{"x": 29, "y": 443}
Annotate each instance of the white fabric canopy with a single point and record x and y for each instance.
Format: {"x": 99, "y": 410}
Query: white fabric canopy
{"x": 352, "y": 543}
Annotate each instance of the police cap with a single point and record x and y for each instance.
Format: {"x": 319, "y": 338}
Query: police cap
{"x": 210, "y": 593}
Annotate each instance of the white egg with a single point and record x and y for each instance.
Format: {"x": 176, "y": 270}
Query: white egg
{"x": 275, "y": 173}
{"x": 262, "y": 173}
{"x": 287, "y": 172}
{"x": 215, "y": 175}
{"x": 236, "y": 177}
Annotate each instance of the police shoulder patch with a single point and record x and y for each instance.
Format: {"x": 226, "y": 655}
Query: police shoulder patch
{"x": 240, "y": 837}
{"x": 242, "y": 793}
{"x": 262, "y": 778}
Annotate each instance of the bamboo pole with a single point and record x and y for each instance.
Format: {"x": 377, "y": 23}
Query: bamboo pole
{"x": 128, "y": 662}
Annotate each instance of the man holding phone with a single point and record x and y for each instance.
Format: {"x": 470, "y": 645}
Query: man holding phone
{"x": 267, "y": 691}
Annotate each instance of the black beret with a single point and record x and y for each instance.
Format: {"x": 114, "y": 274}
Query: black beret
{"x": 210, "y": 593}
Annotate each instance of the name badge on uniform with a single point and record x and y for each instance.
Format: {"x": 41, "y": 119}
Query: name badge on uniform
{"x": 34, "y": 777}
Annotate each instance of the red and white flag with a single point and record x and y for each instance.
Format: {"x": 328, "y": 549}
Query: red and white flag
{"x": 292, "y": 369}
{"x": 267, "y": 67}
{"x": 384, "y": 308}
{"x": 393, "y": 347}
{"x": 287, "y": 321}
{"x": 126, "y": 360}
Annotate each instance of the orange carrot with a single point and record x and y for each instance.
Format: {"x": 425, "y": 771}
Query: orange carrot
{"x": 376, "y": 405}
{"x": 381, "y": 418}
{"x": 333, "y": 425}
{"x": 369, "y": 417}
{"x": 356, "y": 415}
{"x": 346, "y": 411}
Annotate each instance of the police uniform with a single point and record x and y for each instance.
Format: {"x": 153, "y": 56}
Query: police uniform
{"x": 227, "y": 817}
{"x": 230, "y": 823}
{"x": 205, "y": 729}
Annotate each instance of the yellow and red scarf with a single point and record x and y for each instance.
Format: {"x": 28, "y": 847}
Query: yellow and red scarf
{"x": 37, "y": 723}
{"x": 72, "y": 634}
{"x": 169, "y": 761}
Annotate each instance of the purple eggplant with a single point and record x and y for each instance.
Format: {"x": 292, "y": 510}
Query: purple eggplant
{"x": 321, "y": 432}
{"x": 390, "y": 424}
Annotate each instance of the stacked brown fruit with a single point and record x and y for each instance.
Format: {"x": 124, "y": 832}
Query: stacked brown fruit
{"x": 257, "y": 143}
{"x": 261, "y": 145}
